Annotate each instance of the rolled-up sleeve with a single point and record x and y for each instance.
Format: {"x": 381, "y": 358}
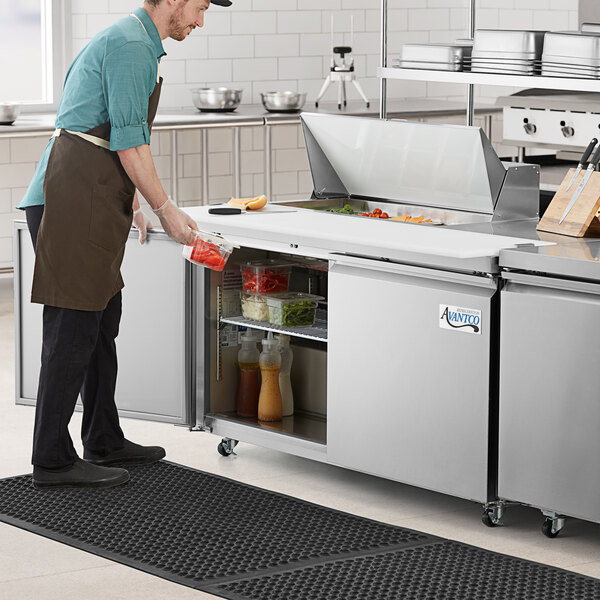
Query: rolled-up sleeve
{"x": 129, "y": 77}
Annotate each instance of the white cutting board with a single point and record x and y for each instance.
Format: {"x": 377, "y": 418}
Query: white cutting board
{"x": 321, "y": 229}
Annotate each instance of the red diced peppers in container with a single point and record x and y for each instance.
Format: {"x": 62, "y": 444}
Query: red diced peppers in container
{"x": 209, "y": 250}
{"x": 266, "y": 277}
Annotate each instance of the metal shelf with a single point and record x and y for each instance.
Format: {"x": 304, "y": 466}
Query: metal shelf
{"x": 317, "y": 332}
{"x": 464, "y": 77}
{"x": 300, "y": 425}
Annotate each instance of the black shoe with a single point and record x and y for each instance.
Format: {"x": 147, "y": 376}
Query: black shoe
{"x": 81, "y": 475}
{"x": 131, "y": 453}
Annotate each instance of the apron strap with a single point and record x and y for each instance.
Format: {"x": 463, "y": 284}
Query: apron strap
{"x": 144, "y": 28}
{"x": 88, "y": 138}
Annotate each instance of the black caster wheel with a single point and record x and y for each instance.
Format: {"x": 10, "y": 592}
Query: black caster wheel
{"x": 316, "y": 105}
{"x": 222, "y": 450}
{"x": 486, "y": 519}
{"x": 368, "y": 105}
{"x": 547, "y": 529}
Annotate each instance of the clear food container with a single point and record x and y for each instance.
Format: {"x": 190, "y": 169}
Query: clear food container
{"x": 254, "y": 307}
{"x": 209, "y": 250}
{"x": 292, "y": 309}
{"x": 268, "y": 277}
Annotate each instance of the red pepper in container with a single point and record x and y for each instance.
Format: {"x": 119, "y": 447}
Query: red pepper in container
{"x": 209, "y": 250}
{"x": 266, "y": 277}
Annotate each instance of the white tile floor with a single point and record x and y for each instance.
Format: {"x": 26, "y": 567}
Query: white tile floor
{"x": 34, "y": 567}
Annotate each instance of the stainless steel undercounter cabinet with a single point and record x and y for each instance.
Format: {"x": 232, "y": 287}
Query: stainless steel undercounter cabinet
{"x": 153, "y": 385}
{"x": 549, "y": 445}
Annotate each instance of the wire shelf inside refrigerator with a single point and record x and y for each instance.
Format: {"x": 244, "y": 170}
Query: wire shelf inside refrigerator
{"x": 317, "y": 332}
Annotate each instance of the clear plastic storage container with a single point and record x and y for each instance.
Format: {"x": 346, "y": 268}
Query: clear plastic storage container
{"x": 254, "y": 307}
{"x": 268, "y": 277}
{"x": 293, "y": 309}
{"x": 209, "y": 250}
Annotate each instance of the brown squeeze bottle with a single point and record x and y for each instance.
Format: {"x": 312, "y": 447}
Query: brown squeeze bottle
{"x": 249, "y": 387}
{"x": 269, "y": 402}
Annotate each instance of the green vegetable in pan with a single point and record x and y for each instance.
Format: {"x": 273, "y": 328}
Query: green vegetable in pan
{"x": 345, "y": 210}
{"x": 298, "y": 314}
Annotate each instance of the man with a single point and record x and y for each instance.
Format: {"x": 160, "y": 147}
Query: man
{"x": 80, "y": 205}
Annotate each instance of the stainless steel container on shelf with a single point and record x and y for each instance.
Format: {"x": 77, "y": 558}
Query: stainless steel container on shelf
{"x": 547, "y": 72}
{"x": 283, "y": 101}
{"x": 571, "y": 61}
{"x": 435, "y": 53}
{"x": 505, "y": 67}
{"x": 9, "y": 111}
{"x": 580, "y": 48}
{"x": 220, "y": 99}
{"x": 435, "y": 57}
{"x": 431, "y": 66}
{"x": 507, "y": 52}
{"x": 499, "y": 42}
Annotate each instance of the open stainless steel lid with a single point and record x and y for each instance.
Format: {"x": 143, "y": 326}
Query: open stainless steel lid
{"x": 445, "y": 166}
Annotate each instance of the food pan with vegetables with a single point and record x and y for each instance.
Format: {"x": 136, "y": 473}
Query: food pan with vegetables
{"x": 269, "y": 277}
{"x": 293, "y": 309}
{"x": 254, "y": 307}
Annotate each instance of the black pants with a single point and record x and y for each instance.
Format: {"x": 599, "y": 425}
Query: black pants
{"x": 78, "y": 356}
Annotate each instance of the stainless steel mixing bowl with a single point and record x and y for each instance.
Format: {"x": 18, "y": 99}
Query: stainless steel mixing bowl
{"x": 9, "y": 111}
{"x": 283, "y": 101}
{"x": 220, "y": 99}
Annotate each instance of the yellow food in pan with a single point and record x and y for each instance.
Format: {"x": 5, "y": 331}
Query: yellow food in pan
{"x": 409, "y": 219}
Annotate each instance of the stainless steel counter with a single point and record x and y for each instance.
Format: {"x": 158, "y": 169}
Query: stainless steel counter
{"x": 574, "y": 258}
{"x": 255, "y": 115}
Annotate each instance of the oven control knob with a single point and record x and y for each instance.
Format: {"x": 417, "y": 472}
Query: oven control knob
{"x": 529, "y": 128}
{"x": 568, "y": 131}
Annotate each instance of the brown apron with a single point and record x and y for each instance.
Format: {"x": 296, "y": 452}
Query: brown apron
{"x": 86, "y": 221}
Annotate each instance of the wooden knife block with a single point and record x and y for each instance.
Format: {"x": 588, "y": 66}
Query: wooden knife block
{"x": 582, "y": 219}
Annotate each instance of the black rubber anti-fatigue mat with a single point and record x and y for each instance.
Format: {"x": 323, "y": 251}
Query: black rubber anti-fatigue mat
{"x": 193, "y": 527}
{"x": 243, "y": 543}
{"x": 439, "y": 571}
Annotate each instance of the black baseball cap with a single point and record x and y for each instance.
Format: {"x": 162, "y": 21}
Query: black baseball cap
{"x": 221, "y": 2}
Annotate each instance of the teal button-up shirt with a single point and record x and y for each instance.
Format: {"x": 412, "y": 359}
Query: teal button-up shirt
{"x": 111, "y": 80}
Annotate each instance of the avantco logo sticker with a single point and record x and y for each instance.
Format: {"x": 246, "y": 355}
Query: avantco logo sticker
{"x": 456, "y": 318}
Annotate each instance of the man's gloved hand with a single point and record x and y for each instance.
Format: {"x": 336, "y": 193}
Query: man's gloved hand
{"x": 177, "y": 225}
{"x": 142, "y": 223}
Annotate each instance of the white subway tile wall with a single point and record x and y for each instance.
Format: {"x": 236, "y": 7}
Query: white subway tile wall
{"x": 260, "y": 45}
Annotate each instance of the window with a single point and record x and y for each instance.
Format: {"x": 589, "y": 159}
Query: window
{"x": 32, "y": 51}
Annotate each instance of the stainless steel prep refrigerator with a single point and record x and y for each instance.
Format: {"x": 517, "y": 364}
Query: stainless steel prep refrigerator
{"x": 549, "y": 445}
{"x": 401, "y": 381}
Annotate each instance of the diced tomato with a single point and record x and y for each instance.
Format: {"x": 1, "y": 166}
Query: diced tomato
{"x": 377, "y": 211}
{"x": 384, "y": 216}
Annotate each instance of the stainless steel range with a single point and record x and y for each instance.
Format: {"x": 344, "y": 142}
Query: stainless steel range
{"x": 559, "y": 120}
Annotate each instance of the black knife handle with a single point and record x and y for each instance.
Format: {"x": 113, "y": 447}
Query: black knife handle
{"x": 588, "y": 151}
{"x": 225, "y": 210}
{"x": 596, "y": 158}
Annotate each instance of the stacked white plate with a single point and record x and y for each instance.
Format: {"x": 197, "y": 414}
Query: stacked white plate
{"x": 571, "y": 54}
{"x": 507, "y": 52}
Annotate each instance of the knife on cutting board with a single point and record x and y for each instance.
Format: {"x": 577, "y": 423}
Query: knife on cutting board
{"x": 584, "y": 159}
{"x": 591, "y": 168}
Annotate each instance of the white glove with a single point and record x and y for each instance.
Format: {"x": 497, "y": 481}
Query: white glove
{"x": 177, "y": 225}
{"x": 142, "y": 223}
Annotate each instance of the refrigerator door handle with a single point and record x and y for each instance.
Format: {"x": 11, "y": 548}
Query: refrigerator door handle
{"x": 386, "y": 266}
{"x": 552, "y": 283}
